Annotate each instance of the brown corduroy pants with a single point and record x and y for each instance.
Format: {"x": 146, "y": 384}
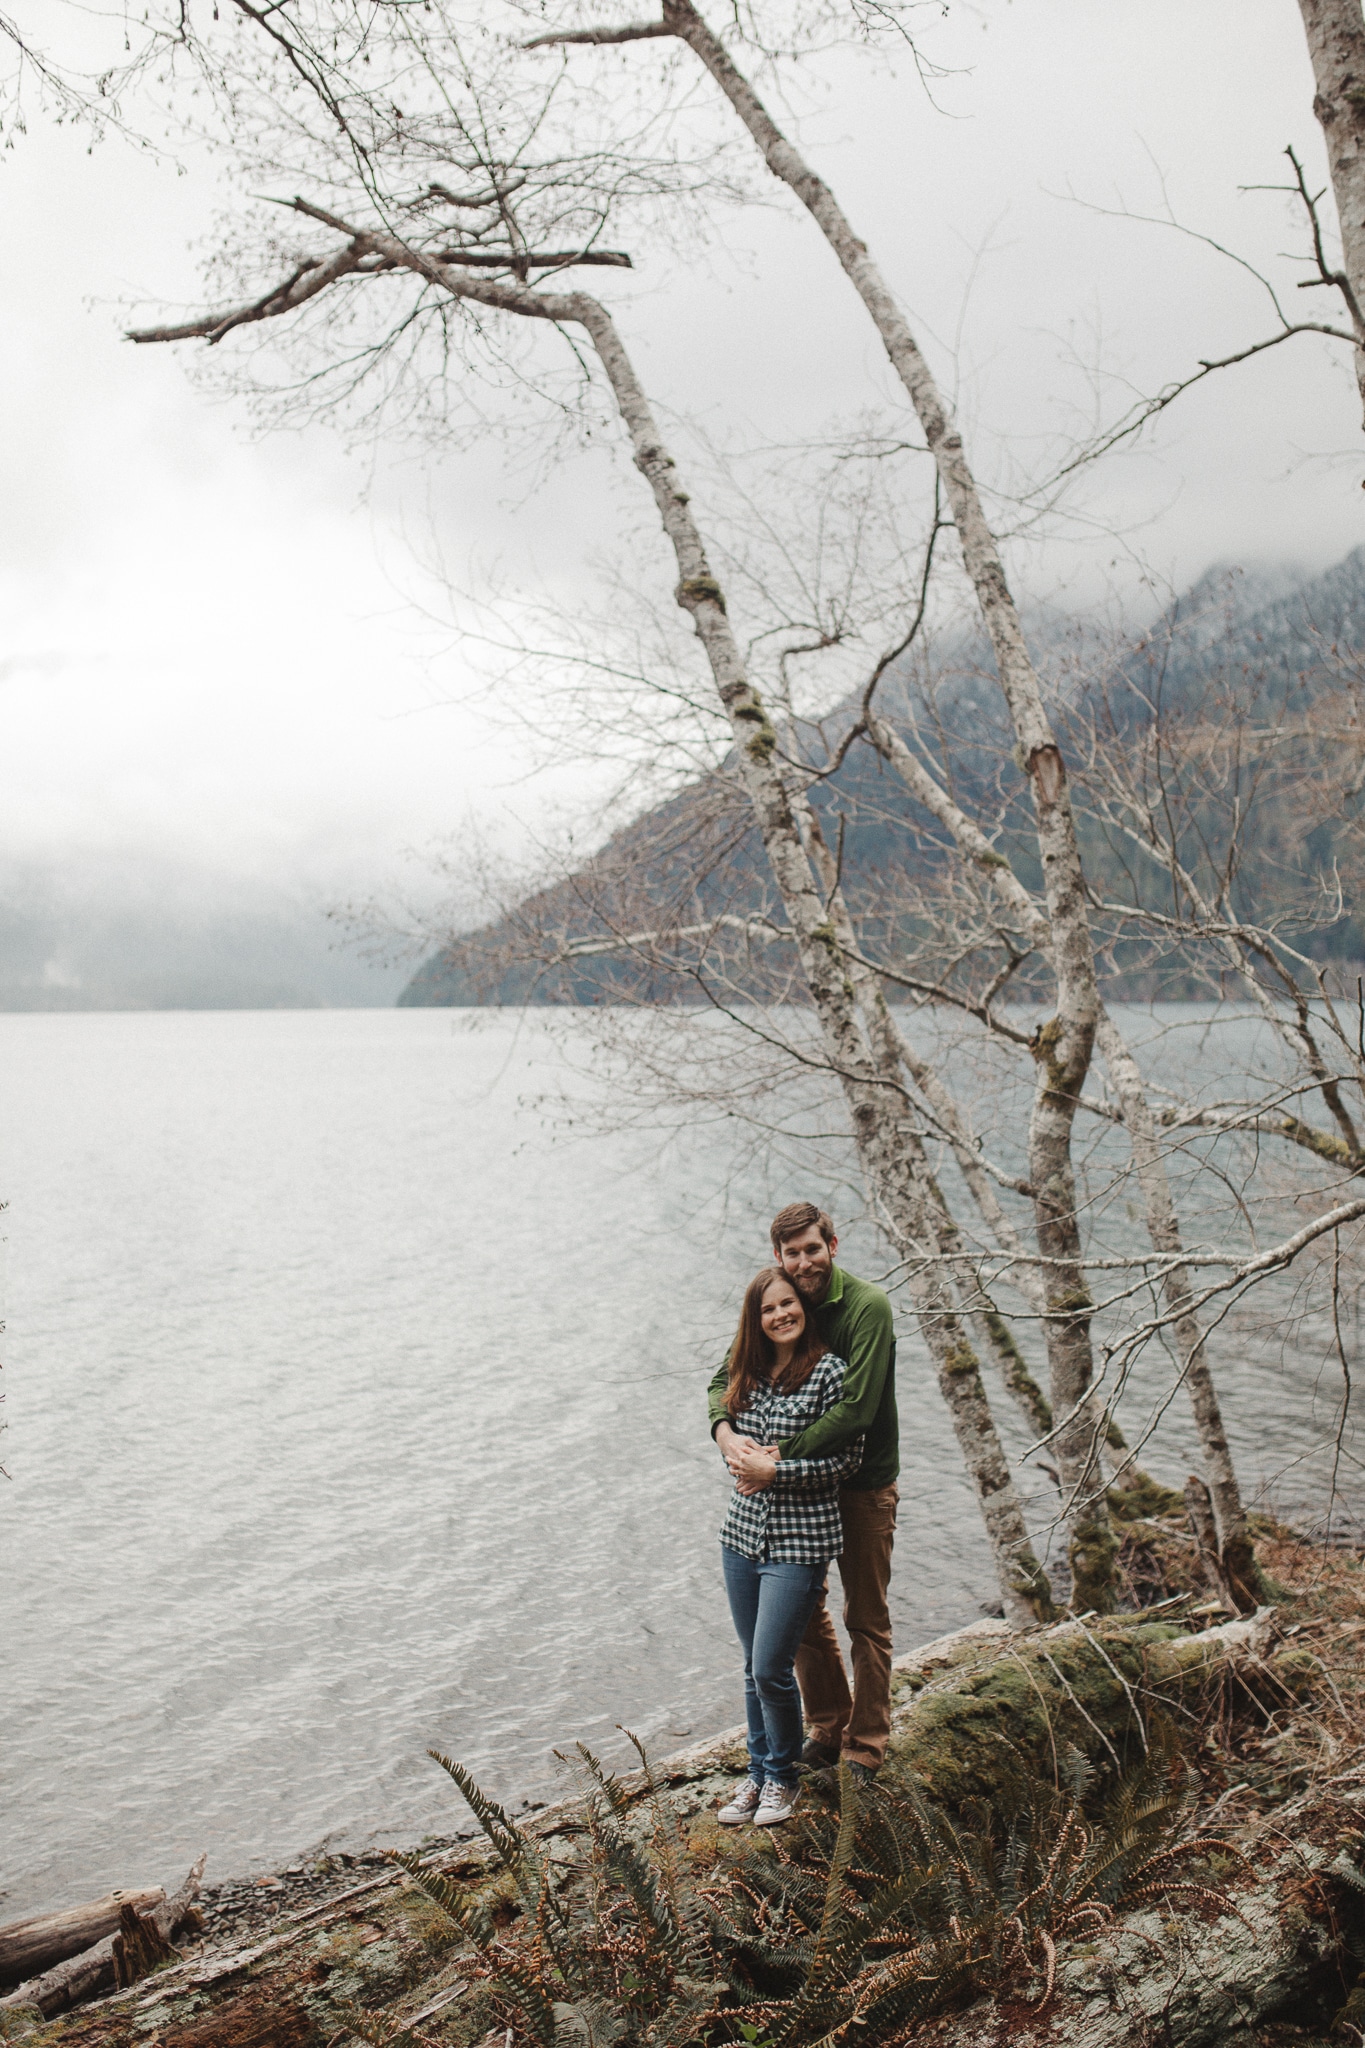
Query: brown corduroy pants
{"x": 857, "y": 1722}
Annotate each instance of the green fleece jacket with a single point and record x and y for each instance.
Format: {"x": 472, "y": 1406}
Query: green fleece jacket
{"x": 855, "y": 1322}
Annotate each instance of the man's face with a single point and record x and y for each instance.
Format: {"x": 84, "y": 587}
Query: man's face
{"x": 809, "y": 1261}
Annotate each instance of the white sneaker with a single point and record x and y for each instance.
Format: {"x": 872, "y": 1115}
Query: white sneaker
{"x": 776, "y": 1803}
{"x": 743, "y": 1806}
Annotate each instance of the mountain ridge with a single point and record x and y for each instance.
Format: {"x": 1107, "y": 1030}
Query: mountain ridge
{"x": 1254, "y": 638}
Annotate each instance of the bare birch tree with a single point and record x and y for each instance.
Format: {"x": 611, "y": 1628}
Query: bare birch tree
{"x": 441, "y": 192}
{"x": 862, "y": 1056}
{"x": 1064, "y": 1044}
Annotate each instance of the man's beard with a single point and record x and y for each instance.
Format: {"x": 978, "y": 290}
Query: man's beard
{"x": 812, "y": 1285}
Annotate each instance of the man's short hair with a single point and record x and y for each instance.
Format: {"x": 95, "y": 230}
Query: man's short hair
{"x": 796, "y": 1217}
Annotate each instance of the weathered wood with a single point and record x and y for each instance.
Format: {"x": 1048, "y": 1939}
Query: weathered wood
{"x": 1199, "y": 1508}
{"x": 139, "y": 1947}
{"x": 120, "y": 1957}
{"x": 28, "y": 1946}
{"x": 1286, "y": 1951}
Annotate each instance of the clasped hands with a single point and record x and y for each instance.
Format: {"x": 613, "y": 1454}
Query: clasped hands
{"x": 754, "y": 1465}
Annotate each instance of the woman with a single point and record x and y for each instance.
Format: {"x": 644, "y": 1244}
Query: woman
{"x": 782, "y": 1528}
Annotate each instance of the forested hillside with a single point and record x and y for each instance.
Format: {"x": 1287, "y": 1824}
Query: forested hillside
{"x": 1239, "y": 662}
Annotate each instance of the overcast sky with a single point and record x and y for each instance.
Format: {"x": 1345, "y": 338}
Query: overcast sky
{"x": 210, "y": 650}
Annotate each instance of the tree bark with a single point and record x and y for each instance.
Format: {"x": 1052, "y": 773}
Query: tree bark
{"x": 1235, "y": 1547}
{"x": 1236, "y": 1557}
{"x": 1336, "y": 43}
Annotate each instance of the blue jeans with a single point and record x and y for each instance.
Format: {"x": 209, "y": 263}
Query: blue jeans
{"x": 771, "y": 1603}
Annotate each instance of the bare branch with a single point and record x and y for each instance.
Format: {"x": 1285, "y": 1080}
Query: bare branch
{"x": 633, "y": 32}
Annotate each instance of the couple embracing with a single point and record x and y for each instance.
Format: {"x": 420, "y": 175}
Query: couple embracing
{"x": 804, "y": 1413}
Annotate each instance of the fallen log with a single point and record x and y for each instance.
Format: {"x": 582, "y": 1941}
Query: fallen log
{"x": 139, "y": 1941}
{"x": 970, "y": 1710}
{"x": 1288, "y": 1950}
{"x": 29, "y": 1946}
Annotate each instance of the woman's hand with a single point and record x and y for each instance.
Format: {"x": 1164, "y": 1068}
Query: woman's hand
{"x": 754, "y": 1469}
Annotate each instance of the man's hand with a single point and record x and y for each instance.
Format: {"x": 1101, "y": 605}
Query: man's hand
{"x": 732, "y": 1444}
{"x": 754, "y": 1468}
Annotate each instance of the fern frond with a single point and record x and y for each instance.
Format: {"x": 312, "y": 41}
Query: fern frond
{"x": 640, "y": 1879}
{"x": 511, "y": 1847}
{"x": 522, "y": 1985}
{"x": 467, "y": 1914}
{"x": 671, "y": 1860}
{"x": 379, "y": 2031}
{"x": 503, "y": 1833}
{"x": 587, "y": 2023}
{"x": 607, "y": 1783}
{"x": 834, "y": 1908}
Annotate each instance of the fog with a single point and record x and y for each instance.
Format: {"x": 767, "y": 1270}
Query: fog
{"x": 227, "y": 657}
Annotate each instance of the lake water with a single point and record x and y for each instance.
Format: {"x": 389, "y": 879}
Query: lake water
{"x": 354, "y": 1410}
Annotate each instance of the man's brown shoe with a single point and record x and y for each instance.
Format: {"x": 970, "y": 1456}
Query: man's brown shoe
{"x": 815, "y": 1757}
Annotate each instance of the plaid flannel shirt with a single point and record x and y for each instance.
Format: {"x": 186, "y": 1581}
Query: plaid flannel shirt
{"x": 796, "y": 1519}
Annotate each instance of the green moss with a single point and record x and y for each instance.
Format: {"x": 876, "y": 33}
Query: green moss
{"x": 1072, "y": 1301}
{"x": 1298, "y": 1671}
{"x": 1044, "y": 1041}
{"x": 701, "y": 590}
{"x": 1018, "y": 1377}
{"x": 1054, "y": 1693}
{"x": 1091, "y": 1555}
{"x": 1327, "y": 1144}
{"x": 1141, "y": 1496}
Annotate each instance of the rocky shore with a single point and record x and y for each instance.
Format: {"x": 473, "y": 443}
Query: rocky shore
{"x": 1263, "y": 1945}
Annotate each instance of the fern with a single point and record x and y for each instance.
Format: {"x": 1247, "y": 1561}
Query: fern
{"x": 856, "y": 1924}
{"x": 378, "y": 2031}
{"x": 591, "y": 2023}
{"x": 467, "y": 1913}
{"x": 510, "y": 1846}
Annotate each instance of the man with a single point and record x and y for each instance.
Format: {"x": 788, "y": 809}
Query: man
{"x": 855, "y": 1321}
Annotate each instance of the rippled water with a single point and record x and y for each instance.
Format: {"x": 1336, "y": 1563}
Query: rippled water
{"x": 352, "y": 1411}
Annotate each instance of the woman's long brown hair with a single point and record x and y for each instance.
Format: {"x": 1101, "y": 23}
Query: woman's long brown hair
{"x": 753, "y": 1354}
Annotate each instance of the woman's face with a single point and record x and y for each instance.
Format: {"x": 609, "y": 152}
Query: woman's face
{"x": 783, "y": 1316}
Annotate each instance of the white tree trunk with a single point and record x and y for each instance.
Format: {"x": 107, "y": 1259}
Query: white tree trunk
{"x": 1063, "y": 1047}
{"x": 1149, "y": 1162}
{"x": 876, "y": 1098}
{"x": 1336, "y": 44}
{"x": 1234, "y": 1542}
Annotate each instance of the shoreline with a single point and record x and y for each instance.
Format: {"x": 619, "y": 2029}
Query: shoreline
{"x": 373, "y": 1947}
{"x": 242, "y": 1910}
{"x": 308, "y": 1947}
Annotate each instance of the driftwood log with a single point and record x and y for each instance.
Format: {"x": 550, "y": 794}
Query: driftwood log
{"x": 138, "y": 1941}
{"x": 28, "y": 1946}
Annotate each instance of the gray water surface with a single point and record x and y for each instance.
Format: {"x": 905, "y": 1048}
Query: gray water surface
{"x": 353, "y": 1411}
